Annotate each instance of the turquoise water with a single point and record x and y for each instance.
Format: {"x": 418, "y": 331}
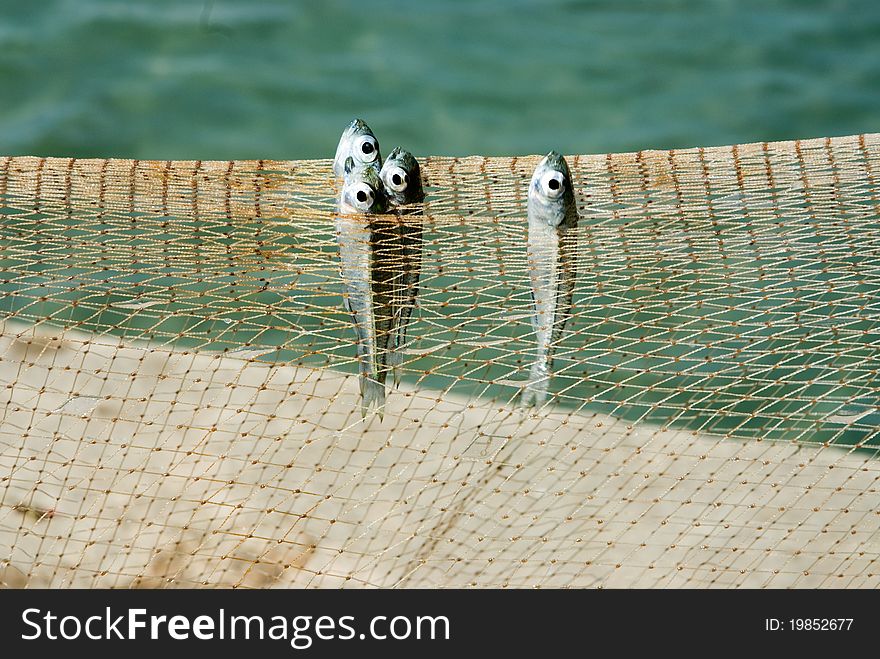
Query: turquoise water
{"x": 169, "y": 79}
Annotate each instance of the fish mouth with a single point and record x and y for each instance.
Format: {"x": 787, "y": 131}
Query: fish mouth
{"x": 399, "y": 157}
{"x": 371, "y": 177}
{"x": 554, "y": 159}
{"x": 358, "y": 126}
{"x": 403, "y": 159}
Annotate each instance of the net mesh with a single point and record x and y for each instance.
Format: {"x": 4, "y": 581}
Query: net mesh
{"x": 180, "y": 401}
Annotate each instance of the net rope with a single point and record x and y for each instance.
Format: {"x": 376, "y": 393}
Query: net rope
{"x": 179, "y": 400}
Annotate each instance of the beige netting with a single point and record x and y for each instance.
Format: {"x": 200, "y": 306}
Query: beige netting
{"x": 179, "y": 405}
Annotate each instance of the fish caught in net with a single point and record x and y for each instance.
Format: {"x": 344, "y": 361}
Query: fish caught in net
{"x": 180, "y": 403}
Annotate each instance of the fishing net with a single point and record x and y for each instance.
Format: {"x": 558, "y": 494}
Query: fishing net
{"x": 180, "y": 407}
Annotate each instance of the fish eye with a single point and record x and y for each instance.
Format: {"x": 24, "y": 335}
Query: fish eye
{"x": 366, "y": 148}
{"x": 362, "y": 196}
{"x": 552, "y": 184}
{"x": 397, "y": 179}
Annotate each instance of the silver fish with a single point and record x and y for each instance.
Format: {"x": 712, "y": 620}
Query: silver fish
{"x": 551, "y": 257}
{"x": 366, "y": 277}
{"x": 402, "y": 178}
{"x": 359, "y": 144}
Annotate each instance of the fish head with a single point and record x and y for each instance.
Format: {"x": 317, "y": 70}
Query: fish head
{"x": 359, "y": 143}
{"x": 362, "y": 191}
{"x": 402, "y": 177}
{"x": 552, "y": 178}
{"x": 551, "y": 194}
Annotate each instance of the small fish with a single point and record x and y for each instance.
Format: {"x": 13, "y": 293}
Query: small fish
{"x": 365, "y": 280}
{"x": 359, "y": 144}
{"x": 402, "y": 178}
{"x": 551, "y": 257}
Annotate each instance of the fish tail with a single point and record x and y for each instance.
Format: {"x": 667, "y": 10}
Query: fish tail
{"x": 395, "y": 356}
{"x": 395, "y": 359}
{"x": 372, "y": 395}
{"x": 535, "y": 393}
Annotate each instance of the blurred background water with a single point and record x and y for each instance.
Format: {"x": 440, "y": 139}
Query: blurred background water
{"x": 175, "y": 79}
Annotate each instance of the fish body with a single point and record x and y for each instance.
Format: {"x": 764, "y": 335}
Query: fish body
{"x": 401, "y": 177}
{"x": 358, "y": 143}
{"x": 366, "y": 278}
{"x": 552, "y": 218}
